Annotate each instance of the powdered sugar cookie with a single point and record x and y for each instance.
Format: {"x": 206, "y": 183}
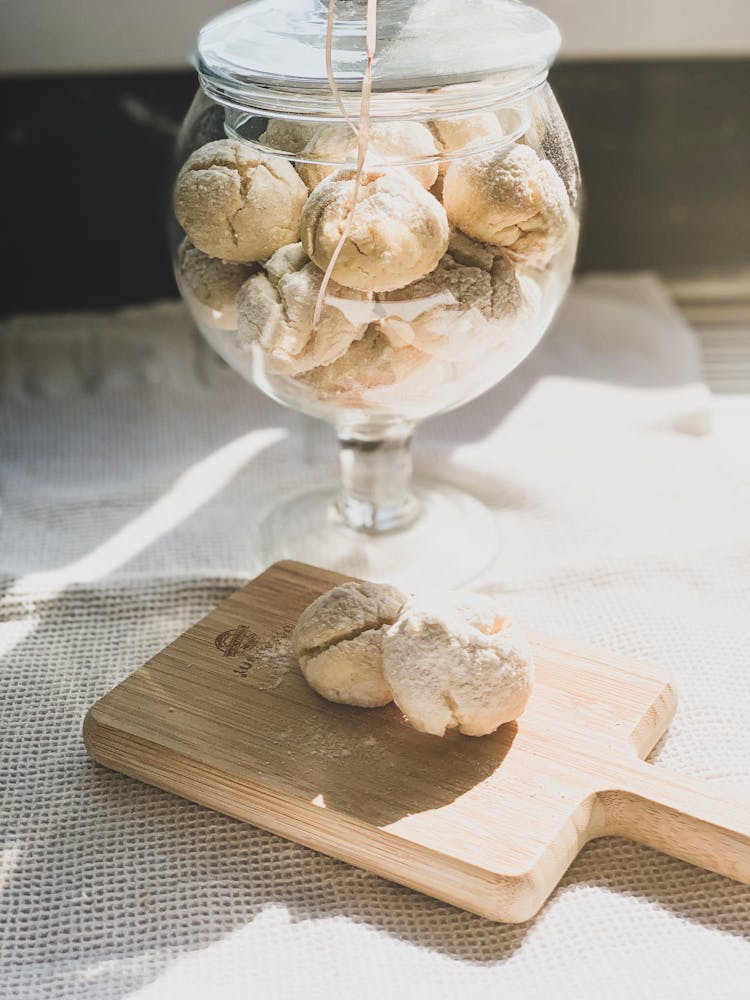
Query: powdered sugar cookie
{"x": 211, "y": 285}
{"x": 446, "y": 311}
{"x": 398, "y": 234}
{"x": 371, "y": 363}
{"x": 287, "y": 135}
{"x": 453, "y": 135}
{"x": 511, "y": 199}
{"x": 453, "y": 661}
{"x": 236, "y": 204}
{"x": 276, "y": 310}
{"x": 338, "y": 641}
{"x": 387, "y": 142}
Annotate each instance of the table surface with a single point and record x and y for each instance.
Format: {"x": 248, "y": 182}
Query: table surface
{"x": 132, "y": 469}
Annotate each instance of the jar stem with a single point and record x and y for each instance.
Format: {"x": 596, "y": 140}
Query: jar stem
{"x": 376, "y": 494}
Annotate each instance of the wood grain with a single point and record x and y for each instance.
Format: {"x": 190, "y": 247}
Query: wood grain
{"x": 223, "y": 717}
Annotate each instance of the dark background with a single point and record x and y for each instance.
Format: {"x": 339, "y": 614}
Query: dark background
{"x": 85, "y": 166}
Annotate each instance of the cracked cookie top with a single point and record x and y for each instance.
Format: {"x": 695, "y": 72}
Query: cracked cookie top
{"x": 398, "y": 231}
{"x": 343, "y": 613}
{"x": 236, "y": 204}
{"x": 338, "y": 641}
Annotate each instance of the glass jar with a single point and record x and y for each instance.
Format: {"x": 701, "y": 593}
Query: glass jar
{"x": 426, "y": 293}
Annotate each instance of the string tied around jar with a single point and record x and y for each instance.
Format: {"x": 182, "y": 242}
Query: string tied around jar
{"x": 362, "y": 132}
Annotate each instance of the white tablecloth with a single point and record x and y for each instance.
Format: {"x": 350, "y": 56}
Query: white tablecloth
{"x": 134, "y": 466}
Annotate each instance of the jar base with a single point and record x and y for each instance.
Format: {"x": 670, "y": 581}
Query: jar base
{"x": 449, "y": 544}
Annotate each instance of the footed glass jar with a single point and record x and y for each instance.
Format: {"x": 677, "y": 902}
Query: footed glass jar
{"x": 423, "y": 293}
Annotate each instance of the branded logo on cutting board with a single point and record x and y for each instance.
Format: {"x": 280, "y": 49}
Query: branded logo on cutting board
{"x": 269, "y": 658}
{"x": 236, "y": 641}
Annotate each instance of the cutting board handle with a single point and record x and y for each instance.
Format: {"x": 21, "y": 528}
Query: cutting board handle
{"x": 700, "y": 821}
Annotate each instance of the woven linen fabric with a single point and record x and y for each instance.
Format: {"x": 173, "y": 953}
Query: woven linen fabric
{"x": 133, "y": 468}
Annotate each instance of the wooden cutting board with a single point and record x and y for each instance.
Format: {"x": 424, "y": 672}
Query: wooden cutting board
{"x": 223, "y": 717}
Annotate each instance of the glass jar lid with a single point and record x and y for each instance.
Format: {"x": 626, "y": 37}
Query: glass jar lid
{"x": 432, "y": 57}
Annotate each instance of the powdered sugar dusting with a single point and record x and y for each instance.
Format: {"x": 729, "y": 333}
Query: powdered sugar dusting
{"x": 269, "y": 661}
